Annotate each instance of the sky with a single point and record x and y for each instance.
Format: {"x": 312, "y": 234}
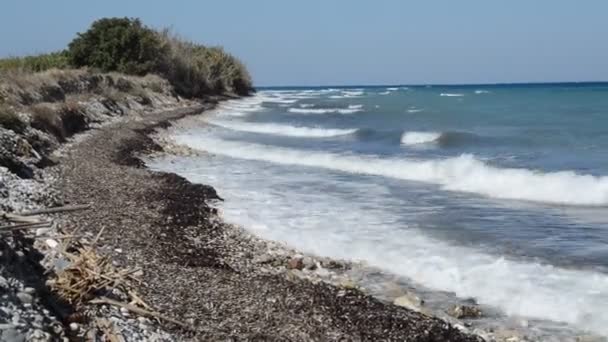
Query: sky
{"x": 341, "y": 42}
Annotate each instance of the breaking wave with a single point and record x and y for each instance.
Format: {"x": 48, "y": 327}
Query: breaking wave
{"x": 349, "y": 110}
{"x": 416, "y": 138}
{"x": 285, "y": 130}
{"x": 464, "y": 173}
{"x": 451, "y": 95}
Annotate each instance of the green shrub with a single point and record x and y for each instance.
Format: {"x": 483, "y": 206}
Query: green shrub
{"x": 118, "y": 44}
{"x": 53, "y": 60}
{"x": 10, "y": 120}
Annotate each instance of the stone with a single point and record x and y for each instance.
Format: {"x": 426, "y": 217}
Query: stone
{"x": 409, "y": 301}
{"x": 12, "y": 335}
{"x": 309, "y": 263}
{"x": 29, "y": 290}
{"x": 295, "y": 263}
{"x": 74, "y": 326}
{"x": 464, "y": 311}
{"x": 322, "y": 272}
{"x": 263, "y": 259}
{"x": 3, "y": 282}
{"x": 25, "y": 297}
{"x": 51, "y": 243}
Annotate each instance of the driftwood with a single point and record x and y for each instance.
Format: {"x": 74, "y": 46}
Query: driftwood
{"x": 20, "y": 226}
{"x": 140, "y": 311}
{"x": 55, "y": 210}
{"x": 20, "y": 218}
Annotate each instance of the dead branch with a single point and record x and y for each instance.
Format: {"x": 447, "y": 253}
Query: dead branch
{"x": 135, "y": 309}
{"x": 55, "y": 210}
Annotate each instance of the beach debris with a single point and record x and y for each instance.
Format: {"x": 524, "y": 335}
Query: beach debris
{"x": 55, "y": 210}
{"x": 23, "y": 226}
{"x": 464, "y": 311}
{"x": 140, "y": 311}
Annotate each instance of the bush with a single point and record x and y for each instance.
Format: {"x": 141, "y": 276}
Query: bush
{"x": 118, "y": 44}
{"x": 10, "y": 120}
{"x": 46, "y": 119}
{"x": 196, "y": 70}
{"x": 54, "y": 60}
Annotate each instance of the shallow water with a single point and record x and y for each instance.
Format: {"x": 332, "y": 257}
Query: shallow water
{"x": 499, "y": 193}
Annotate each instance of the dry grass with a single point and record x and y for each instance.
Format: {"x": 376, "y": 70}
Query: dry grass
{"x": 10, "y": 120}
{"x": 47, "y": 119}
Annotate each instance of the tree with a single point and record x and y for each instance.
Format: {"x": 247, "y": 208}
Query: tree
{"x": 118, "y": 44}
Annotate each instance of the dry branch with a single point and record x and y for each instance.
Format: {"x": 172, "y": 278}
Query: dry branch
{"x": 55, "y": 209}
{"x": 143, "y": 312}
{"x": 20, "y": 226}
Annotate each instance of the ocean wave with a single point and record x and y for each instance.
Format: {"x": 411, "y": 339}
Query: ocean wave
{"x": 417, "y": 138}
{"x": 324, "y": 110}
{"x": 392, "y": 88}
{"x": 285, "y": 130}
{"x": 414, "y": 110}
{"x": 442, "y": 139}
{"x": 451, "y": 94}
{"x": 384, "y": 93}
{"x": 306, "y": 105}
{"x": 464, "y": 173}
{"x": 481, "y": 92}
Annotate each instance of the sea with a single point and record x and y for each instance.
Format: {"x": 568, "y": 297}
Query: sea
{"x": 491, "y": 193}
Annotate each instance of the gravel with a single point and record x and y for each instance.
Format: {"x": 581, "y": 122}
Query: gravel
{"x": 222, "y": 282}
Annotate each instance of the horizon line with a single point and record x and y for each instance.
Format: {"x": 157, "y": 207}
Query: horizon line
{"x": 435, "y": 84}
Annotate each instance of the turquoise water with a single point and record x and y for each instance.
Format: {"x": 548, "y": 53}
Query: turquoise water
{"x": 494, "y": 192}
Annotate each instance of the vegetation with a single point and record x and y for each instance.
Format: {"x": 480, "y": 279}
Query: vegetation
{"x": 10, "y": 120}
{"x": 54, "y": 60}
{"x": 127, "y": 46}
{"x": 118, "y": 44}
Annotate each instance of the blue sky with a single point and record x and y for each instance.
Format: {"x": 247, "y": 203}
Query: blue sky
{"x": 321, "y": 42}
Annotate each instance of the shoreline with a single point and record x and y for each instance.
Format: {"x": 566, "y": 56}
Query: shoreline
{"x": 180, "y": 241}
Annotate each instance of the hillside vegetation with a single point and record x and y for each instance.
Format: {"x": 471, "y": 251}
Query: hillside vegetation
{"x": 126, "y": 45}
{"x": 117, "y": 67}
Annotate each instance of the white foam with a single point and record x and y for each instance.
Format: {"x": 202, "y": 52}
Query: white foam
{"x": 464, "y": 173}
{"x": 306, "y": 105}
{"x": 285, "y": 130}
{"x": 324, "y": 110}
{"x": 355, "y": 106}
{"x": 414, "y": 110}
{"x": 481, "y": 92}
{"x": 416, "y": 138}
{"x": 392, "y": 88}
{"x": 451, "y": 95}
{"x": 384, "y": 93}
{"x": 352, "y": 92}
{"x": 366, "y": 227}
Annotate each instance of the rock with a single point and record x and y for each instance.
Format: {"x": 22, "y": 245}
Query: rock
{"x": 507, "y": 335}
{"x": 295, "y": 263}
{"x": 409, "y": 301}
{"x": 51, "y": 243}
{"x": 348, "y": 284}
{"x": 332, "y": 264}
{"x": 3, "y": 283}
{"x": 29, "y": 290}
{"x": 25, "y": 298}
{"x": 263, "y": 259}
{"x": 12, "y": 335}
{"x": 309, "y": 263}
{"x": 322, "y": 272}
{"x": 74, "y": 326}
{"x": 464, "y": 311}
